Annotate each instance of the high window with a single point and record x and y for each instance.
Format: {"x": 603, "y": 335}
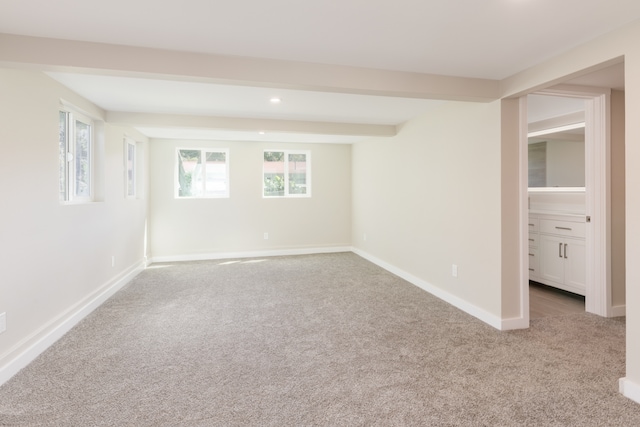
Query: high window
{"x": 75, "y": 156}
{"x": 286, "y": 173}
{"x": 202, "y": 173}
{"x": 130, "y": 167}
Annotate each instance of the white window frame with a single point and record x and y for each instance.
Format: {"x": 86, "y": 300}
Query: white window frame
{"x": 307, "y": 153}
{"x": 68, "y": 177}
{"x": 203, "y": 153}
{"x": 130, "y": 165}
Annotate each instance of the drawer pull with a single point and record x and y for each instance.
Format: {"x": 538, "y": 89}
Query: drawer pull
{"x": 532, "y": 240}
{"x": 532, "y": 254}
{"x": 563, "y": 228}
{"x": 531, "y": 269}
{"x": 531, "y": 225}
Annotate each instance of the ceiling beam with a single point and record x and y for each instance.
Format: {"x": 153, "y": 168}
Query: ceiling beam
{"x": 107, "y": 59}
{"x": 243, "y": 124}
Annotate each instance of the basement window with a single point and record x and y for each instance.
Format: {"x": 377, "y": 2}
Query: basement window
{"x": 76, "y": 147}
{"x": 286, "y": 173}
{"x": 202, "y": 173}
{"x": 130, "y": 148}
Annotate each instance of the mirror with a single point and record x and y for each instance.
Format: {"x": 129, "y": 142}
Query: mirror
{"x": 556, "y": 157}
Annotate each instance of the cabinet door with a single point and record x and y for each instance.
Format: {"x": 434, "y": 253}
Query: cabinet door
{"x": 575, "y": 274}
{"x": 534, "y": 264}
{"x": 552, "y": 261}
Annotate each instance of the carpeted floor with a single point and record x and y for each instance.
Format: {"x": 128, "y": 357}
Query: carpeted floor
{"x": 319, "y": 340}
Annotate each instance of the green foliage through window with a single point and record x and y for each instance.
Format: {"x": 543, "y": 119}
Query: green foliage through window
{"x": 286, "y": 174}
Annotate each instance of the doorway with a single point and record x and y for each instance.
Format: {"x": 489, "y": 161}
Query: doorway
{"x": 596, "y": 228}
{"x": 598, "y": 187}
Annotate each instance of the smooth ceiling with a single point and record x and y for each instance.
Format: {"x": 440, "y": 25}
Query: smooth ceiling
{"x": 484, "y": 39}
{"x": 489, "y": 39}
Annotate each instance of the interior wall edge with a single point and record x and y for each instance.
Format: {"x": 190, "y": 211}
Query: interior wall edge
{"x": 445, "y": 296}
{"x": 249, "y": 254}
{"x": 618, "y": 310}
{"x": 629, "y": 389}
{"x": 32, "y": 346}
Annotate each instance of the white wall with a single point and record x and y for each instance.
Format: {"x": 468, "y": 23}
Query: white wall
{"x": 618, "y": 229}
{"x": 201, "y": 228}
{"x": 565, "y": 164}
{"x": 430, "y": 197}
{"x": 55, "y": 258}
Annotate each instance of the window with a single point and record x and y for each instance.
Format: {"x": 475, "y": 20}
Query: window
{"x": 75, "y": 156}
{"x": 202, "y": 173}
{"x": 130, "y": 167}
{"x": 286, "y": 174}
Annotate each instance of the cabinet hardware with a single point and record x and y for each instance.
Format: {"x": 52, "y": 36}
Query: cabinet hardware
{"x": 532, "y": 254}
{"x": 531, "y": 225}
{"x": 531, "y": 240}
{"x": 563, "y": 228}
{"x": 531, "y": 269}
{"x": 559, "y": 250}
{"x": 565, "y": 250}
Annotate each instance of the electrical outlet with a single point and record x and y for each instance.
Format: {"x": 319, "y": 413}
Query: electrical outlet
{"x": 266, "y": 236}
{"x": 454, "y": 270}
{"x": 113, "y": 260}
{"x": 3, "y": 322}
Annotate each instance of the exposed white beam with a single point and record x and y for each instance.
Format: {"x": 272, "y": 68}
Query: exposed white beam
{"x": 66, "y": 55}
{"x": 246, "y": 124}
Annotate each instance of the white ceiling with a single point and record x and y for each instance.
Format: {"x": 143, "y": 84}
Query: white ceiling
{"x": 139, "y": 95}
{"x": 489, "y": 38}
{"x": 485, "y": 39}
{"x": 543, "y": 107}
{"x": 168, "y": 97}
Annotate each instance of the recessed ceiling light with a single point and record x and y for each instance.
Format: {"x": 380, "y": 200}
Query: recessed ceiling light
{"x": 275, "y": 100}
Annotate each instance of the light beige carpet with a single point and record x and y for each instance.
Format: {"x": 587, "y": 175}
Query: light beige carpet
{"x": 321, "y": 340}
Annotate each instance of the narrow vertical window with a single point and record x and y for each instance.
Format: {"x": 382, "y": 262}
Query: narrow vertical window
{"x": 75, "y": 156}
{"x": 216, "y": 172}
{"x": 297, "y": 173}
{"x": 63, "y": 157}
{"x": 130, "y": 167}
{"x": 273, "y": 171}
{"x": 82, "y": 160}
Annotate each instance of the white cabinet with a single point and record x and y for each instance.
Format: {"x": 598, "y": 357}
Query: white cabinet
{"x": 561, "y": 250}
{"x": 534, "y": 251}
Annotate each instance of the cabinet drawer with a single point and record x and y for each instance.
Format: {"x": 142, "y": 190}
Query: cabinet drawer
{"x": 533, "y": 240}
{"x": 534, "y": 263}
{"x": 534, "y": 224}
{"x": 562, "y": 228}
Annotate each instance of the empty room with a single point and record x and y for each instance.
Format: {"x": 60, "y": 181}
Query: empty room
{"x": 407, "y": 213}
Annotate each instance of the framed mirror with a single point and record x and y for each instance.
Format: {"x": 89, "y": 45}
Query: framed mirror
{"x": 557, "y": 158}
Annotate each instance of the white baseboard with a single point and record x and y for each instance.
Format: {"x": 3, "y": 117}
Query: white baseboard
{"x": 250, "y": 254}
{"x": 630, "y": 389}
{"x": 32, "y": 346}
{"x": 514, "y": 323}
{"x": 457, "y": 302}
{"x": 618, "y": 310}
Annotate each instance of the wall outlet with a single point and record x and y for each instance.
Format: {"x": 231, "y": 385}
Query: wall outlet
{"x": 3, "y": 322}
{"x": 266, "y": 236}
{"x": 113, "y": 260}
{"x": 454, "y": 270}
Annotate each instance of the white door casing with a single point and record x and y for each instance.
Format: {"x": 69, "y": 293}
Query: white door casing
{"x": 598, "y": 196}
